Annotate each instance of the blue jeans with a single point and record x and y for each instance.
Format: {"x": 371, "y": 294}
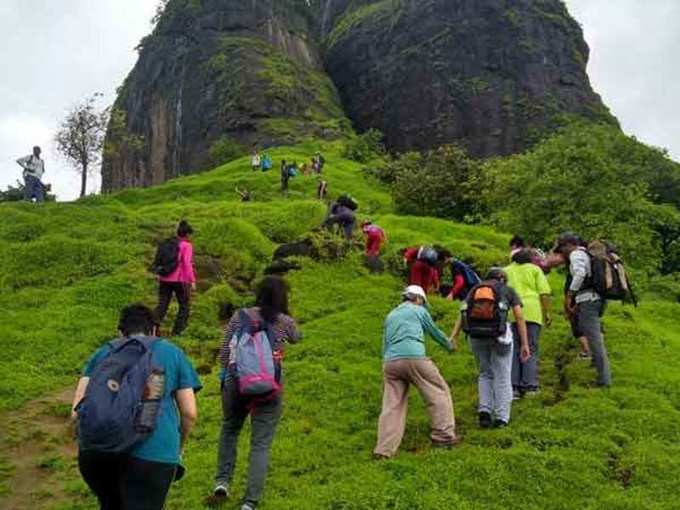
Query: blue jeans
{"x": 525, "y": 375}
{"x": 33, "y": 188}
{"x": 495, "y": 385}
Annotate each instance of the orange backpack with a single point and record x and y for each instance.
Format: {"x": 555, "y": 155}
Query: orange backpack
{"x": 485, "y": 312}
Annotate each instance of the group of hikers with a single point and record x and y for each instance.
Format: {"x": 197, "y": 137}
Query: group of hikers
{"x": 33, "y": 169}
{"x": 135, "y": 403}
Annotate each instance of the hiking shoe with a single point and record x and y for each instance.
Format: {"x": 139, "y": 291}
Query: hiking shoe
{"x": 380, "y": 456}
{"x": 485, "y": 421}
{"x": 500, "y": 424}
{"x": 219, "y": 496}
{"x": 221, "y": 491}
{"x": 248, "y": 506}
{"x": 446, "y": 444}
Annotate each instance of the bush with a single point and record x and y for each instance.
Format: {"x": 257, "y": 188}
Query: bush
{"x": 365, "y": 147}
{"x": 436, "y": 183}
{"x": 225, "y": 150}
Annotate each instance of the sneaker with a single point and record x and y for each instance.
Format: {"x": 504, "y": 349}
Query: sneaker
{"x": 584, "y": 356}
{"x": 221, "y": 491}
{"x": 500, "y": 424}
{"x": 380, "y": 456}
{"x": 219, "y": 496}
{"x": 446, "y": 444}
{"x": 485, "y": 420}
{"x": 248, "y": 506}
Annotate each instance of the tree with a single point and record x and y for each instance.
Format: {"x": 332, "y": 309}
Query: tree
{"x": 80, "y": 139}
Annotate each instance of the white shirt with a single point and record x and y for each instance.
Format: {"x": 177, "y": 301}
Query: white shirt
{"x": 32, "y": 166}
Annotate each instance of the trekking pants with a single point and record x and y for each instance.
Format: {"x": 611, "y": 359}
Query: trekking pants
{"x": 494, "y": 384}
{"x": 525, "y": 375}
{"x": 33, "y": 188}
{"x": 423, "y": 374}
{"x": 263, "y": 420}
{"x": 122, "y": 482}
{"x": 183, "y": 293}
{"x": 589, "y": 313}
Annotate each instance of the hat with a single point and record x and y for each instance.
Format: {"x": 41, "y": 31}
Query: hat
{"x": 414, "y": 290}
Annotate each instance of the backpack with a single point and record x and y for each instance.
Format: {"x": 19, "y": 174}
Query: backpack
{"x": 292, "y": 171}
{"x": 113, "y": 416}
{"x": 252, "y": 361}
{"x": 348, "y": 201}
{"x": 428, "y": 255}
{"x": 167, "y": 257}
{"x": 471, "y": 278}
{"x": 485, "y": 312}
{"x": 266, "y": 162}
{"x": 609, "y": 278}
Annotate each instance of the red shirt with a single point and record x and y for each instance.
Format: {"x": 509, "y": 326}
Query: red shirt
{"x": 424, "y": 275}
{"x": 375, "y": 236}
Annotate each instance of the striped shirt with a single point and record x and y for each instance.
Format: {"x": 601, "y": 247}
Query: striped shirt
{"x": 285, "y": 331}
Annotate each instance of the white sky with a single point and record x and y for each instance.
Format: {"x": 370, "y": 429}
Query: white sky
{"x": 56, "y": 52}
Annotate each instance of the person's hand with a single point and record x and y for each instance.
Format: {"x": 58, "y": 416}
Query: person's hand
{"x": 454, "y": 344}
{"x": 193, "y": 286}
{"x": 548, "y": 320}
{"x": 450, "y": 297}
{"x": 525, "y": 354}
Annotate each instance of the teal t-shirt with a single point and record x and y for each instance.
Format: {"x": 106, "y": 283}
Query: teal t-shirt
{"x": 163, "y": 445}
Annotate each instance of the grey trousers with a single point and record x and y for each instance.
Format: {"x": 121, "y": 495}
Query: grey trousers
{"x": 589, "y": 313}
{"x": 525, "y": 375}
{"x": 264, "y": 418}
{"x": 495, "y": 382}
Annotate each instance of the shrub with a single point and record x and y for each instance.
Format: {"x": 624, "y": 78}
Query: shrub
{"x": 365, "y": 147}
{"x": 225, "y": 150}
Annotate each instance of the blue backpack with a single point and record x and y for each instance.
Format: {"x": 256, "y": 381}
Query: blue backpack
{"x": 266, "y": 163}
{"x": 110, "y": 415}
{"x": 471, "y": 278}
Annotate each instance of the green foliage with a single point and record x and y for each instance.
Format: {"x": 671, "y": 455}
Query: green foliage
{"x": 434, "y": 183}
{"x": 364, "y": 147}
{"x": 225, "y": 150}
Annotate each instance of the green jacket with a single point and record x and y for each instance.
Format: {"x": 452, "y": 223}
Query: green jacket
{"x": 404, "y": 333}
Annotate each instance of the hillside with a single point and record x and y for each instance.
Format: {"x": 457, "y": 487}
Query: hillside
{"x": 68, "y": 268}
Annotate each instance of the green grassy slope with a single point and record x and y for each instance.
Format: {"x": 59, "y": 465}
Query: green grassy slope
{"x": 68, "y": 268}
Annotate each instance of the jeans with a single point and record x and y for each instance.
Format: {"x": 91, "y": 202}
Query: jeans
{"x": 423, "y": 374}
{"x": 525, "y": 375}
{"x": 263, "y": 419}
{"x": 122, "y": 482}
{"x": 589, "y": 313}
{"x": 33, "y": 188}
{"x": 494, "y": 385}
{"x": 183, "y": 293}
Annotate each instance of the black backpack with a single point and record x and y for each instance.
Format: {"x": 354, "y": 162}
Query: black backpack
{"x": 428, "y": 255}
{"x": 348, "y": 201}
{"x": 167, "y": 257}
{"x": 609, "y": 278}
{"x": 485, "y": 312}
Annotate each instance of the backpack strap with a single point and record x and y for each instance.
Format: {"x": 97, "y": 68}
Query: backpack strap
{"x": 147, "y": 342}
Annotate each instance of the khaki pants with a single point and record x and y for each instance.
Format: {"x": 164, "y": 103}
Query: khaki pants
{"x": 423, "y": 374}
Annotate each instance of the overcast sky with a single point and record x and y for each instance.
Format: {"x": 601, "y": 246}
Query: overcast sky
{"x": 54, "y": 53}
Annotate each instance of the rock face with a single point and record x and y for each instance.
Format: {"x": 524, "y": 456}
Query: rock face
{"x": 486, "y": 74}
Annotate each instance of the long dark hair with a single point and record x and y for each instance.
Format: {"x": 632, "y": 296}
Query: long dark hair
{"x": 272, "y": 297}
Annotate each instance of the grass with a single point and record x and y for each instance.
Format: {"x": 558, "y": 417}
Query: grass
{"x": 68, "y": 268}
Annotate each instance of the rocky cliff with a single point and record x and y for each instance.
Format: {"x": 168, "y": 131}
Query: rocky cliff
{"x": 486, "y": 74}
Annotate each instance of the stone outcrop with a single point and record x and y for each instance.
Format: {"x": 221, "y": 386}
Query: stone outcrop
{"x": 486, "y": 74}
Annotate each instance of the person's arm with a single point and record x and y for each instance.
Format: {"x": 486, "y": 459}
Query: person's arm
{"x": 187, "y": 262}
{"x": 458, "y": 285}
{"x": 431, "y": 328}
{"x": 78, "y": 397}
{"x": 188, "y": 412}
{"x": 579, "y": 270}
{"x": 231, "y": 329}
{"x": 525, "y": 352}
{"x": 456, "y": 332}
{"x": 22, "y": 162}
{"x": 546, "y": 300}
{"x": 291, "y": 332}
{"x": 545, "y": 292}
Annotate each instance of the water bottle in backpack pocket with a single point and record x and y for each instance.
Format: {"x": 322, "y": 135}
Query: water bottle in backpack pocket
{"x": 122, "y": 401}
{"x": 253, "y": 362}
{"x": 485, "y": 312}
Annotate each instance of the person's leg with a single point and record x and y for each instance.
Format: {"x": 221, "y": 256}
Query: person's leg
{"x": 501, "y": 366}
{"x": 38, "y": 190}
{"x": 516, "y": 364}
{"x": 183, "y": 293}
{"x": 28, "y": 188}
{"x": 263, "y": 419}
{"x": 101, "y": 473}
{"x": 164, "y": 296}
{"x": 146, "y": 484}
{"x": 529, "y": 379}
{"x": 437, "y": 395}
{"x": 481, "y": 350}
{"x": 392, "y": 422}
{"x": 234, "y": 415}
{"x": 590, "y": 325}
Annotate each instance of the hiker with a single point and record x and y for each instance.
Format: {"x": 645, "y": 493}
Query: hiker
{"x": 532, "y": 287}
{"x": 584, "y": 303}
{"x": 244, "y": 194}
{"x": 320, "y": 162}
{"x": 375, "y": 238}
{"x": 123, "y": 466}
{"x": 322, "y": 189}
{"x": 269, "y": 315}
{"x": 285, "y": 176}
{"x": 34, "y": 168}
{"x": 422, "y": 264}
{"x": 266, "y": 162}
{"x": 484, "y": 318}
{"x": 180, "y": 280}
{"x": 342, "y": 214}
{"x": 406, "y": 363}
{"x": 464, "y": 278}
{"x": 255, "y": 161}
{"x": 538, "y": 258}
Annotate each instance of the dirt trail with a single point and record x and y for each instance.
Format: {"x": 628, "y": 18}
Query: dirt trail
{"x": 36, "y": 441}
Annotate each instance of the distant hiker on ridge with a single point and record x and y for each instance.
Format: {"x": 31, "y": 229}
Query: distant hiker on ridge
{"x": 255, "y": 160}
{"x": 405, "y": 364}
{"x": 34, "y": 168}
{"x": 174, "y": 265}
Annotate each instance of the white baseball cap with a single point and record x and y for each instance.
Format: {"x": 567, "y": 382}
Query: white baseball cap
{"x": 415, "y": 290}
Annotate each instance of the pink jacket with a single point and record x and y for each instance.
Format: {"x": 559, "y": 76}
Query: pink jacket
{"x": 185, "y": 269}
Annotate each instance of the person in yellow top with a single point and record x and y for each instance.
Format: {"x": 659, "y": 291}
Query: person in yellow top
{"x": 533, "y": 288}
